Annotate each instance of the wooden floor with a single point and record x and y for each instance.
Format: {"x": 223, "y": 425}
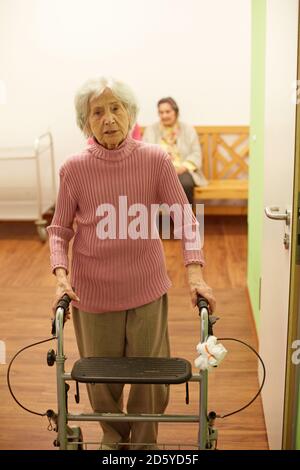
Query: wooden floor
{"x": 26, "y": 291}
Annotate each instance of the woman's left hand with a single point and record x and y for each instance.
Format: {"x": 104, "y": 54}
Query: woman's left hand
{"x": 199, "y": 287}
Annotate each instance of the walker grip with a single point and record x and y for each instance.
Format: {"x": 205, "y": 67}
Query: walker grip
{"x": 202, "y": 303}
{"x": 63, "y": 303}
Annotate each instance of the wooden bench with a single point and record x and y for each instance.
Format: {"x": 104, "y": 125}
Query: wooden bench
{"x": 225, "y": 152}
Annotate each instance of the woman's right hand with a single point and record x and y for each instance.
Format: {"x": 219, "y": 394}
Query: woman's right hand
{"x": 63, "y": 287}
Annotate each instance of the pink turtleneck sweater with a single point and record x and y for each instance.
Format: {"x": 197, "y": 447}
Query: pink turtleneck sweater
{"x": 111, "y": 274}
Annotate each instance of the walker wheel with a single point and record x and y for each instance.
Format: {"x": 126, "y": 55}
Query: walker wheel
{"x": 41, "y": 225}
{"x": 75, "y": 439}
{"x": 42, "y": 233}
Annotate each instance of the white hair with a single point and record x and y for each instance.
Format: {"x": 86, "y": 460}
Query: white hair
{"x": 93, "y": 88}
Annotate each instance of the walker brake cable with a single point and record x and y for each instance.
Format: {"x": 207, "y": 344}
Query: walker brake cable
{"x": 8, "y": 377}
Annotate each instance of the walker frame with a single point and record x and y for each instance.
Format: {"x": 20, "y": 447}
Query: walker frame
{"x": 69, "y": 438}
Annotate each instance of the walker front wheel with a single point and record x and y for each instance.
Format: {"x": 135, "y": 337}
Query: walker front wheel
{"x": 75, "y": 439}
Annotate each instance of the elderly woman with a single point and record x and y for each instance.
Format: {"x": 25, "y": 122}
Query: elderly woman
{"x": 119, "y": 280}
{"x": 181, "y": 142}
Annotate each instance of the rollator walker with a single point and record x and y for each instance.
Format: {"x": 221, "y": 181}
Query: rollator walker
{"x": 127, "y": 370}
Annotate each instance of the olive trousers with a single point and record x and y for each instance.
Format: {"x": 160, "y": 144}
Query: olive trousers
{"x": 137, "y": 332}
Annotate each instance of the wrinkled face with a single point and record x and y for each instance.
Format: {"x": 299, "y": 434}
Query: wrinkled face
{"x": 167, "y": 114}
{"x": 108, "y": 119}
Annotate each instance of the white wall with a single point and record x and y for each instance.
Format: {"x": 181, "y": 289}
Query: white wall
{"x": 197, "y": 51}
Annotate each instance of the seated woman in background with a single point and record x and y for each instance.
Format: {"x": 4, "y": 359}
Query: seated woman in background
{"x": 181, "y": 142}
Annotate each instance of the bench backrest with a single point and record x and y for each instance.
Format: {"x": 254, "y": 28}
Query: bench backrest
{"x": 225, "y": 151}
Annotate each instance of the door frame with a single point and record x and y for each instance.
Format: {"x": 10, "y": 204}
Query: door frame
{"x": 292, "y": 380}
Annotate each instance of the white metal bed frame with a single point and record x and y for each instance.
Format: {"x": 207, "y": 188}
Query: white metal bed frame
{"x": 35, "y": 209}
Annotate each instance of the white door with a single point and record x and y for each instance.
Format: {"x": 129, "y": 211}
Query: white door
{"x": 280, "y": 114}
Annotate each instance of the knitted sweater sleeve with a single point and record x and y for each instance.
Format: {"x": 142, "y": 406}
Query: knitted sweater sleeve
{"x": 61, "y": 229}
{"x": 186, "y": 226}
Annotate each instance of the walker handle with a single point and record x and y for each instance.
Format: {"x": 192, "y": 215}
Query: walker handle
{"x": 202, "y": 303}
{"x": 63, "y": 303}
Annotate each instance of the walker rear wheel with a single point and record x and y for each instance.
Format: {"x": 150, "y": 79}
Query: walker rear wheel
{"x": 41, "y": 230}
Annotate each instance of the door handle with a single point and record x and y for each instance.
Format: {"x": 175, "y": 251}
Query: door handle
{"x": 273, "y": 213}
